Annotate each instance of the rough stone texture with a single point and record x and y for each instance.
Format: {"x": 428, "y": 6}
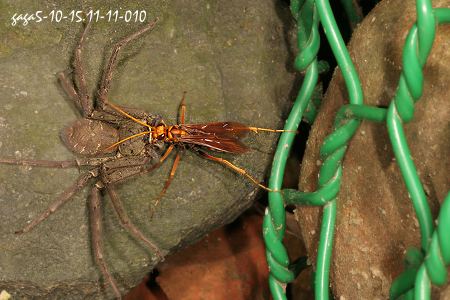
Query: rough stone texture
{"x": 376, "y": 222}
{"x": 230, "y": 58}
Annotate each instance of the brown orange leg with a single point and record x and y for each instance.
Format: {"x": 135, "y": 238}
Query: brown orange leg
{"x": 232, "y": 167}
{"x": 182, "y": 110}
{"x": 168, "y": 182}
{"x": 166, "y": 154}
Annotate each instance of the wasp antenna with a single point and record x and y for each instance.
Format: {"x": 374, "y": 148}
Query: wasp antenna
{"x": 122, "y": 112}
{"x": 257, "y": 129}
{"x": 126, "y": 139}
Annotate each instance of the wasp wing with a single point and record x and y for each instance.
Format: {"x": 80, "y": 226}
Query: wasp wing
{"x": 231, "y": 145}
{"x": 221, "y": 130}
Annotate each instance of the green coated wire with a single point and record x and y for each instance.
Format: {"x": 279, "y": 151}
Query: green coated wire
{"x": 328, "y": 170}
{"x": 416, "y": 50}
{"x": 274, "y": 220}
{"x": 353, "y": 12}
{"x": 340, "y": 52}
{"x": 435, "y": 243}
{"x": 332, "y": 151}
{"x": 420, "y": 271}
{"x": 434, "y": 267}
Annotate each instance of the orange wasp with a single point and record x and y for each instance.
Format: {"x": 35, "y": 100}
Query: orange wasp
{"x": 216, "y": 136}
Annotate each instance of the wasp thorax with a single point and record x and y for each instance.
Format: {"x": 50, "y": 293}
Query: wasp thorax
{"x": 159, "y": 133}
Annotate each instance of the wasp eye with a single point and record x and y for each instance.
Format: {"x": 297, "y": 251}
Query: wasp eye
{"x": 161, "y": 136}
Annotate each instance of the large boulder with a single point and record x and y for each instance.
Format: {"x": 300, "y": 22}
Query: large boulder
{"x": 229, "y": 56}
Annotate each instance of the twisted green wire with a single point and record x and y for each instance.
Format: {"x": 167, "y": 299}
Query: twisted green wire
{"x": 415, "y": 52}
{"x": 434, "y": 267}
{"x": 415, "y": 280}
{"x": 332, "y": 152}
{"x": 333, "y": 149}
{"x": 274, "y": 220}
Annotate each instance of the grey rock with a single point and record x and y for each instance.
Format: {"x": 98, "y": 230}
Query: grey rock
{"x": 230, "y": 58}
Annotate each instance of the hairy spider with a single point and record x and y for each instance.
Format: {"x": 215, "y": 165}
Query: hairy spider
{"x": 94, "y": 139}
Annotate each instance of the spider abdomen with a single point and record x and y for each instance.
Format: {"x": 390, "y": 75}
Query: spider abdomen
{"x": 90, "y": 137}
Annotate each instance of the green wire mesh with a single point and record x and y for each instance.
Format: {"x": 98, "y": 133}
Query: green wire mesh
{"x": 424, "y": 266}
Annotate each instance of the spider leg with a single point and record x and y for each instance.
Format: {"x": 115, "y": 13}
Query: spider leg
{"x": 57, "y": 164}
{"x": 157, "y": 119}
{"x": 63, "y": 198}
{"x": 168, "y": 182}
{"x": 96, "y": 231}
{"x": 69, "y": 88}
{"x": 60, "y": 164}
{"x": 80, "y": 94}
{"x": 105, "y": 83}
{"x": 86, "y": 104}
{"x": 232, "y": 167}
{"x": 126, "y": 222}
{"x": 144, "y": 169}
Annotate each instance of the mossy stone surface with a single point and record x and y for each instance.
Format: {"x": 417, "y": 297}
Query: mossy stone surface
{"x": 229, "y": 56}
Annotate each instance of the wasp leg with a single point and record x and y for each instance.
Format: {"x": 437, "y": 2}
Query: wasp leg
{"x": 232, "y": 167}
{"x": 182, "y": 110}
{"x": 168, "y": 181}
